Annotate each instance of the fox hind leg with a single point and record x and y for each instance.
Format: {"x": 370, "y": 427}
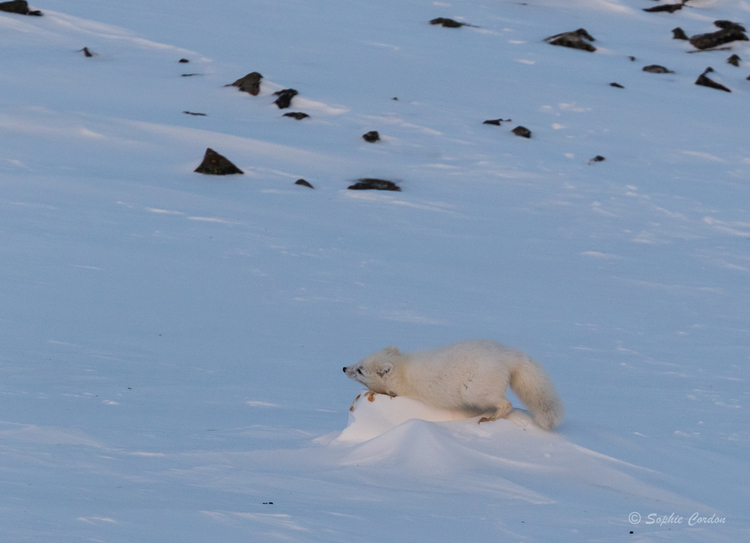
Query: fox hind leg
{"x": 503, "y": 408}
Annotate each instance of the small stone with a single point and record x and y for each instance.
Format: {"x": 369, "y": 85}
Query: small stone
{"x": 734, "y": 60}
{"x": 497, "y": 122}
{"x": 374, "y": 184}
{"x": 656, "y": 69}
{"x": 522, "y": 131}
{"x": 679, "y": 34}
{"x": 617, "y": 85}
{"x": 574, "y": 40}
{"x": 714, "y": 39}
{"x": 706, "y": 82}
{"x": 632, "y": 59}
{"x": 189, "y": 75}
{"x": 597, "y": 158}
{"x": 447, "y": 23}
{"x": 670, "y": 8}
{"x": 216, "y": 164}
{"x": 395, "y": 98}
{"x": 371, "y": 137}
{"x": 183, "y": 61}
{"x": 303, "y": 183}
{"x": 296, "y": 115}
{"x": 285, "y": 96}
{"x": 249, "y": 83}
{"x": 195, "y": 114}
{"x": 86, "y": 52}
{"x": 19, "y": 6}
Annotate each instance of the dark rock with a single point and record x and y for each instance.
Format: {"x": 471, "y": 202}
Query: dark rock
{"x": 250, "y": 83}
{"x": 714, "y": 39}
{"x": 183, "y": 61}
{"x": 19, "y": 6}
{"x": 734, "y": 60}
{"x": 497, "y": 122}
{"x": 194, "y": 114}
{"x": 86, "y": 52}
{"x": 522, "y": 131}
{"x": 296, "y": 115}
{"x": 216, "y": 164}
{"x": 447, "y": 23}
{"x": 729, "y": 25}
{"x": 574, "y": 40}
{"x": 303, "y": 183}
{"x": 597, "y": 158}
{"x": 374, "y": 184}
{"x": 670, "y": 8}
{"x": 395, "y": 98}
{"x": 371, "y": 137}
{"x": 632, "y": 59}
{"x": 706, "y": 82}
{"x": 679, "y": 34}
{"x": 656, "y": 69}
{"x": 616, "y": 85}
{"x": 285, "y": 96}
{"x": 190, "y": 75}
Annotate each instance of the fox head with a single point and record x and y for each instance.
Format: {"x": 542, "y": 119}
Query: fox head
{"x": 375, "y": 371}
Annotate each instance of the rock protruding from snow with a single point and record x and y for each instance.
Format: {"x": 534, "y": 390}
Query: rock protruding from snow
{"x": 720, "y": 37}
{"x": 303, "y": 183}
{"x": 734, "y": 60}
{"x": 249, "y": 83}
{"x": 447, "y": 23}
{"x": 656, "y": 69}
{"x": 522, "y": 131}
{"x": 296, "y": 115}
{"x": 19, "y": 6}
{"x": 679, "y": 34}
{"x": 285, "y": 96}
{"x": 496, "y": 122}
{"x": 707, "y": 82}
{"x": 374, "y": 184}
{"x": 371, "y": 137}
{"x": 216, "y": 164}
{"x": 669, "y": 8}
{"x": 577, "y": 39}
{"x": 729, "y": 25}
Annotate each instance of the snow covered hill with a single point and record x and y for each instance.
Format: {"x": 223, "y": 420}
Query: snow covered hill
{"x": 172, "y": 343}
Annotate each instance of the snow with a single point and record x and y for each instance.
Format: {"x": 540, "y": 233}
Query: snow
{"x": 173, "y": 343}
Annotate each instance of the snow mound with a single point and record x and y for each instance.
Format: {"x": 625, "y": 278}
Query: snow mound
{"x": 513, "y": 457}
{"x": 373, "y": 414}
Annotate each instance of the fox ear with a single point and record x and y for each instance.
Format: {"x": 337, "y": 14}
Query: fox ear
{"x": 392, "y": 349}
{"x": 383, "y": 368}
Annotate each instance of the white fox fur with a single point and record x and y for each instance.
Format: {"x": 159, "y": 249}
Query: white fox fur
{"x": 469, "y": 376}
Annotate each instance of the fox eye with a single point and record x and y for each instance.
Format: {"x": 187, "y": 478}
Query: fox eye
{"x": 359, "y": 370}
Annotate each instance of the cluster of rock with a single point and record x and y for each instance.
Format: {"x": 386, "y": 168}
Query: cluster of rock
{"x": 728, "y": 32}
{"x": 215, "y": 164}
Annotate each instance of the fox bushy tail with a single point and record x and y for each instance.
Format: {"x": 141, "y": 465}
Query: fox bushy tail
{"x": 534, "y": 388}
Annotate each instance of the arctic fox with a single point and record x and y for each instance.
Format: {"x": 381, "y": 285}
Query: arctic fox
{"x": 470, "y": 376}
